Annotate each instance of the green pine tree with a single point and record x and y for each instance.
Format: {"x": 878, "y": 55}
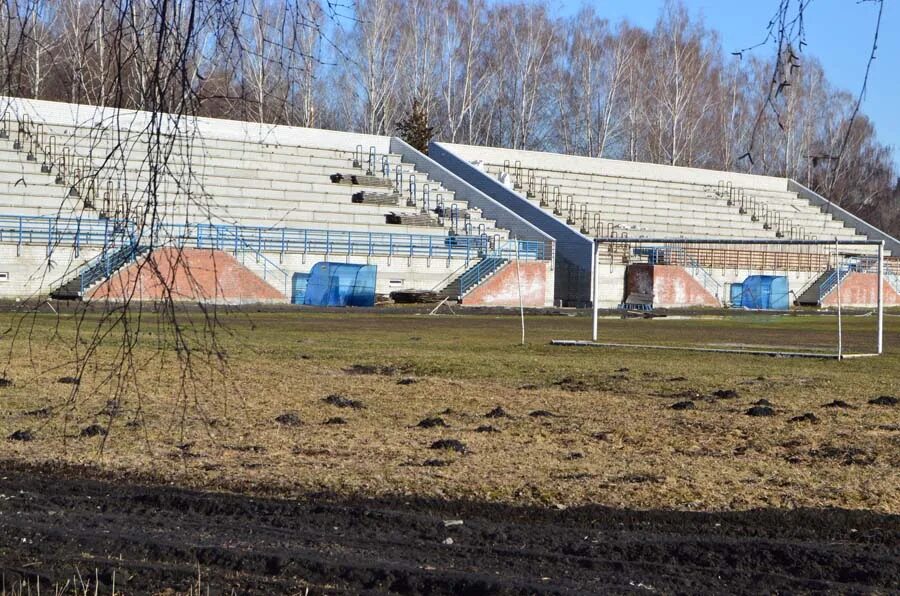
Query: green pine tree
{"x": 414, "y": 129}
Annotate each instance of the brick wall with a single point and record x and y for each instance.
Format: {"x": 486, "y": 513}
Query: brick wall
{"x": 190, "y": 274}
{"x": 502, "y": 288}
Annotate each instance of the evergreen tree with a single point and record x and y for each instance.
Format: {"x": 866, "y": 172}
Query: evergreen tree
{"x": 414, "y": 128}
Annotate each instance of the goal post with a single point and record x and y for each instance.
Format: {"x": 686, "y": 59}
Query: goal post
{"x": 752, "y": 284}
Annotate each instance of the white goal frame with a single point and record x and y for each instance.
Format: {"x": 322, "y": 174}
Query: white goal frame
{"x": 835, "y": 243}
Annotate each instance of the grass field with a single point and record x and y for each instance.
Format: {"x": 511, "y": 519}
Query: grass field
{"x": 578, "y": 425}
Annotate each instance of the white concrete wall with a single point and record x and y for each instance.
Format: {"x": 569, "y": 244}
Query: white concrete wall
{"x": 394, "y": 273}
{"x": 610, "y": 289}
{"x": 31, "y": 273}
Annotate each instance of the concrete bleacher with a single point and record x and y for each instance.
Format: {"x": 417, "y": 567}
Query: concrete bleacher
{"x": 220, "y": 181}
{"x": 603, "y": 197}
{"x": 263, "y": 192}
{"x": 577, "y": 199}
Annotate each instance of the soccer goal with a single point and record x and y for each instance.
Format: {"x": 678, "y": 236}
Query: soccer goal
{"x": 800, "y": 297}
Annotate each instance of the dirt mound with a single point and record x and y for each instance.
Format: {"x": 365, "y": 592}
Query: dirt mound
{"x": 436, "y": 463}
{"x": 838, "y": 403}
{"x": 340, "y": 401}
{"x": 450, "y": 445}
{"x": 885, "y": 400}
{"x": 289, "y": 419}
{"x": 4, "y": 382}
{"x": 725, "y": 394}
{"x": 21, "y": 435}
{"x": 407, "y": 381}
{"x": 45, "y": 412}
{"x": 760, "y": 411}
{"x": 335, "y": 420}
{"x": 497, "y": 412}
{"x": 683, "y": 405}
{"x": 808, "y": 417}
{"x": 542, "y": 414}
{"x": 435, "y": 422}
{"x": 486, "y": 428}
{"x": 762, "y": 402}
{"x": 371, "y": 369}
{"x": 69, "y": 380}
{"x": 162, "y": 536}
{"x": 94, "y": 430}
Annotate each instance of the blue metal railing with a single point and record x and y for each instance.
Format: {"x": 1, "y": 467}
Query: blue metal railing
{"x": 834, "y": 278}
{"x": 105, "y": 264}
{"x": 481, "y": 270}
{"x": 76, "y": 232}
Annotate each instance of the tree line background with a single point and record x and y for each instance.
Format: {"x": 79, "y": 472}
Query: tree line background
{"x": 507, "y": 74}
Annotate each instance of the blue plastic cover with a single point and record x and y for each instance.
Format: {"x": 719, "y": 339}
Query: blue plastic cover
{"x": 765, "y": 292}
{"x": 299, "y": 281}
{"x": 737, "y": 292}
{"x": 340, "y": 284}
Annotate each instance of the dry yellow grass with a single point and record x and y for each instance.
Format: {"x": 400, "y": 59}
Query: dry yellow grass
{"x": 613, "y": 438}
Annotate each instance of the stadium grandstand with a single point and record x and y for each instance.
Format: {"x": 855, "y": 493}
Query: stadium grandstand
{"x": 101, "y": 203}
{"x": 239, "y": 212}
{"x": 578, "y": 199}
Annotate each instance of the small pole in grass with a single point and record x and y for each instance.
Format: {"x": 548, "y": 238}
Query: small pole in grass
{"x": 837, "y": 258}
{"x": 519, "y": 284}
{"x": 595, "y": 251}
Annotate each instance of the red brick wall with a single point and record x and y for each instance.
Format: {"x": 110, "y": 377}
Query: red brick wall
{"x": 672, "y": 286}
{"x": 502, "y": 288}
{"x": 190, "y": 274}
{"x": 860, "y": 289}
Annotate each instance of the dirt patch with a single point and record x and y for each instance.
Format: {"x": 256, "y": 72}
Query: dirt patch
{"x": 760, "y": 411}
{"x": 486, "y": 428}
{"x": 382, "y": 543}
{"x": 725, "y": 394}
{"x": 763, "y": 402}
{"x": 336, "y": 420}
{"x": 838, "y": 403}
{"x": 885, "y": 400}
{"x": 436, "y": 463}
{"x": 371, "y": 369}
{"x": 497, "y": 412}
{"x": 341, "y": 401}
{"x": 45, "y": 412}
{"x": 683, "y": 405}
{"x": 542, "y": 414}
{"x": 808, "y": 417}
{"x": 572, "y": 384}
{"x": 21, "y": 435}
{"x": 846, "y": 456}
{"x": 69, "y": 380}
{"x": 450, "y": 445}
{"x": 289, "y": 419}
{"x": 408, "y": 381}
{"x": 94, "y": 430}
{"x": 435, "y": 422}
{"x": 4, "y": 382}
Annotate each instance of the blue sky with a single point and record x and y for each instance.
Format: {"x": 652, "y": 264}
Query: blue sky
{"x": 839, "y": 33}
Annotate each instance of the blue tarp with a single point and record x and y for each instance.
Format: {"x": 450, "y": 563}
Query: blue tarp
{"x": 339, "y": 284}
{"x": 299, "y": 283}
{"x": 765, "y": 292}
